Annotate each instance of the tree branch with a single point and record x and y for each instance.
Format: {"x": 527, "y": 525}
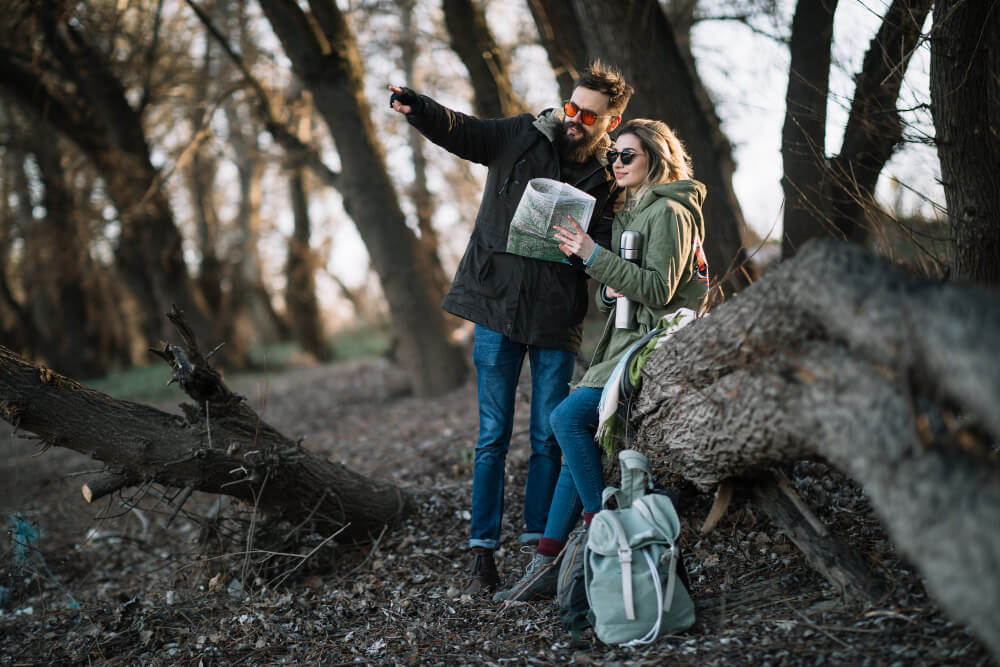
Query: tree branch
{"x": 284, "y": 136}
{"x": 222, "y": 446}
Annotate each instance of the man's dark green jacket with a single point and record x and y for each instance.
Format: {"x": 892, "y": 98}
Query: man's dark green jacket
{"x": 528, "y": 300}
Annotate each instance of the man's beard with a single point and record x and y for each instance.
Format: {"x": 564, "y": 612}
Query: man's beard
{"x": 575, "y": 149}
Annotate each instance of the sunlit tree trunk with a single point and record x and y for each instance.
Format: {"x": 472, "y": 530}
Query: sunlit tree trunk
{"x": 201, "y": 173}
{"x": 324, "y": 55}
{"x": 423, "y": 200}
{"x": 253, "y": 315}
{"x": 300, "y": 292}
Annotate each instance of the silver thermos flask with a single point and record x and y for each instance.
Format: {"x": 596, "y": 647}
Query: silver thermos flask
{"x": 629, "y": 248}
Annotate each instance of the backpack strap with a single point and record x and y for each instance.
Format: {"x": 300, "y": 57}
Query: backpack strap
{"x": 625, "y": 560}
{"x": 665, "y": 598}
{"x": 609, "y": 493}
{"x": 637, "y": 477}
{"x": 662, "y": 520}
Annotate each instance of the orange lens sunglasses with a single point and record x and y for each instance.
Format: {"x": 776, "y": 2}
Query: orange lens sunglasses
{"x": 587, "y": 117}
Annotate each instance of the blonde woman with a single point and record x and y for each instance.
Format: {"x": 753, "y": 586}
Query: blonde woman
{"x": 664, "y": 206}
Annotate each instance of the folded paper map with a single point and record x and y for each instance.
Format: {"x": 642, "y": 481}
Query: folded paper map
{"x": 544, "y": 204}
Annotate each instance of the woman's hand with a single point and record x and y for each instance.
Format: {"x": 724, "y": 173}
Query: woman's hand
{"x": 575, "y": 241}
{"x": 611, "y": 292}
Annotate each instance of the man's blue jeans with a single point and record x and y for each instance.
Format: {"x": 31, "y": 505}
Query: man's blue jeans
{"x": 498, "y": 363}
{"x": 582, "y": 475}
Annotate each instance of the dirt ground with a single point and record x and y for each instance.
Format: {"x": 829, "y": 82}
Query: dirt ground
{"x": 131, "y": 581}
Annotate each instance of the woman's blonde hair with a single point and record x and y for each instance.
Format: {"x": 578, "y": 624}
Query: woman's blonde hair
{"x": 666, "y": 158}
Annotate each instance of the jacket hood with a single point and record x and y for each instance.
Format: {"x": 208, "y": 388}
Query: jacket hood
{"x": 549, "y": 123}
{"x": 688, "y": 192}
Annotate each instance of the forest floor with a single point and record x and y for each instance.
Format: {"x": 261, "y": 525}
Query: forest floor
{"x": 126, "y": 581}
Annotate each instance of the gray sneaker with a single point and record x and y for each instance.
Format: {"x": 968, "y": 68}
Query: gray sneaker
{"x": 538, "y": 583}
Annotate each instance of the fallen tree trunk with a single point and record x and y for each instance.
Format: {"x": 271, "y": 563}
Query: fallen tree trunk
{"x": 220, "y": 446}
{"x": 891, "y": 378}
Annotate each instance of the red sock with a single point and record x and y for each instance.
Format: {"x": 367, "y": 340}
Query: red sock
{"x": 549, "y": 547}
{"x": 588, "y": 516}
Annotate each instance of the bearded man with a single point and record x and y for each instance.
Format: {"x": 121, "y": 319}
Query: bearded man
{"x": 520, "y": 305}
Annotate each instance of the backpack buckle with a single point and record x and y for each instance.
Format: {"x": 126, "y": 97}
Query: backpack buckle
{"x": 625, "y": 555}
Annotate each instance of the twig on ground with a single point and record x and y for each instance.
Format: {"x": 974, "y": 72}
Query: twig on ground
{"x": 277, "y": 581}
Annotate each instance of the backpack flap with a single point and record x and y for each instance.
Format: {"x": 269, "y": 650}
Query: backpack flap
{"x": 614, "y": 536}
{"x": 658, "y": 510}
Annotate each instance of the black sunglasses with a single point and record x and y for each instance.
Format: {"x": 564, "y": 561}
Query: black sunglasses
{"x": 626, "y": 156}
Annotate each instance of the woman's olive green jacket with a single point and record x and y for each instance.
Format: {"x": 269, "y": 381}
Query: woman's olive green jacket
{"x": 669, "y": 275}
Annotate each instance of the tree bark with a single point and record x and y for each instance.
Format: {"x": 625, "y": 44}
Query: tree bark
{"x": 803, "y": 137}
{"x": 324, "y": 55}
{"x": 874, "y": 128}
{"x": 488, "y": 65}
{"x": 965, "y": 103}
{"x": 637, "y": 37}
{"x": 891, "y": 378}
{"x": 222, "y": 446}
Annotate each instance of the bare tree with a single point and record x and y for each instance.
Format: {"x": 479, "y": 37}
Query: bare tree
{"x": 54, "y": 72}
{"x": 560, "y": 34}
{"x": 422, "y": 198}
{"x": 249, "y": 311}
{"x": 874, "y": 128}
{"x": 803, "y": 137}
{"x": 300, "y": 289}
{"x": 67, "y": 314}
{"x": 824, "y": 196}
{"x": 637, "y": 37}
{"x": 965, "y": 59}
{"x": 488, "y": 66}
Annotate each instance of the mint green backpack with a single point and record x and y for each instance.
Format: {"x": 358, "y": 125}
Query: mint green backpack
{"x": 631, "y": 561}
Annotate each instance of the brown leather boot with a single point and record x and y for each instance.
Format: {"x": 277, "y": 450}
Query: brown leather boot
{"x": 483, "y": 578}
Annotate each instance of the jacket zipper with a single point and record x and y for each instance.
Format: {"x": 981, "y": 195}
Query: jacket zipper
{"x": 505, "y": 186}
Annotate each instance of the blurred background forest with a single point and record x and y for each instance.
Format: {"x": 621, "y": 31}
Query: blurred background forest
{"x": 238, "y": 159}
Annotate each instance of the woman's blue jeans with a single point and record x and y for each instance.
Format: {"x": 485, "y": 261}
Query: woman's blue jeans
{"x": 498, "y": 362}
{"x": 581, "y": 479}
